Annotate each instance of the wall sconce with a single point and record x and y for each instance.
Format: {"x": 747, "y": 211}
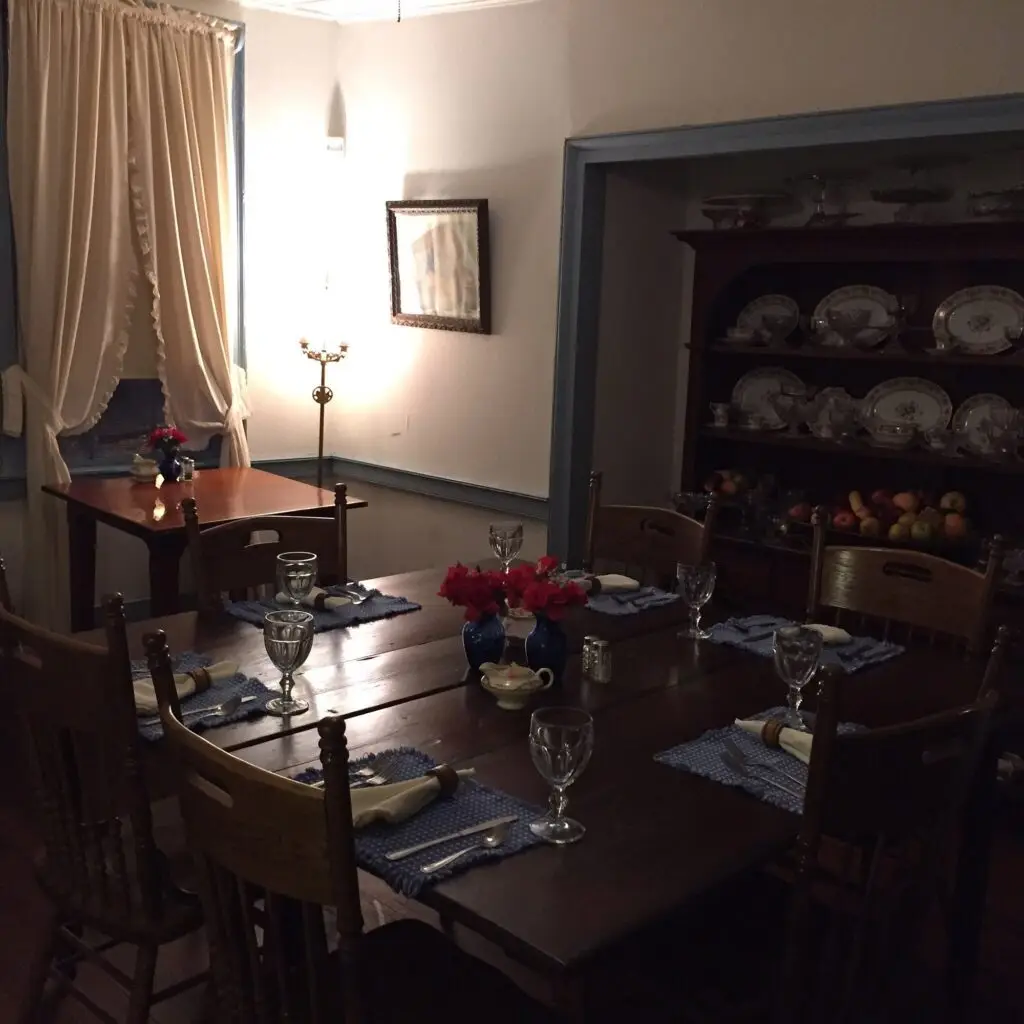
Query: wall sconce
{"x": 322, "y": 394}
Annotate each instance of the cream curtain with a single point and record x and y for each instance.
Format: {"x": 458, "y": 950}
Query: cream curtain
{"x": 68, "y": 146}
{"x": 182, "y": 172}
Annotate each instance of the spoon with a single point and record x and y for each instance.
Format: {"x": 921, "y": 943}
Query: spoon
{"x": 488, "y": 841}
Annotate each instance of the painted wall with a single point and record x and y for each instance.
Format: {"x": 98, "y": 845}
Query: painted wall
{"x": 456, "y": 106}
{"x": 638, "y": 64}
{"x": 641, "y": 377}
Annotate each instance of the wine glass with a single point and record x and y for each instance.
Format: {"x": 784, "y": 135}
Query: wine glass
{"x": 797, "y": 652}
{"x": 288, "y": 637}
{"x": 506, "y": 542}
{"x": 696, "y": 584}
{"x": 561, "y": 742}
{"x": 296, "y": 575}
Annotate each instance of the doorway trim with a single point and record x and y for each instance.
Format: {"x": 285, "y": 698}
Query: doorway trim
{"x": 586, "y": 164}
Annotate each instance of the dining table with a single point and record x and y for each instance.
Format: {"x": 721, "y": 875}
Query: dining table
{"x": 658, "y": 841}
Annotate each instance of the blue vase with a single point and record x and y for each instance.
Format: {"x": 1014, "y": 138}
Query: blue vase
{"x": 547, "y": 647}
{"x": 170, "y": 467}
{"x": 484, "y": 640}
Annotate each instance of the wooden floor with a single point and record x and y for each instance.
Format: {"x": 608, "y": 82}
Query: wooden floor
{"x": 24, "y": 914}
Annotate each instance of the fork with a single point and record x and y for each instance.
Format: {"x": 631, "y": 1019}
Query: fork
{"x": 741, "y": 768}
{"x": 354, "y": 781}
{"x": 741, "y": 755}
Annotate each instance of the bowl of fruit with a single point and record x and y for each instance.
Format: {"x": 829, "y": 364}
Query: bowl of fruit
{"x": 907, "y": 517}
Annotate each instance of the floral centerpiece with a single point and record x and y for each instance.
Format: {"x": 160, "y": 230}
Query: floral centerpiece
{"x": 481, "y": 592}
{"x": 168, "y": 441}
{"x": 537, "y": 589}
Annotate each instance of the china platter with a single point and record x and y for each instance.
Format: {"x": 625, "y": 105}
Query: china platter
{"x": 905, "y": 401}
{"x": 782, "y": 306}
{"x": 879, "y": 303}
{"x": 982, "y": 321}
{"x": 974, "y": 414}
{"x": 819, "y": 422}
{"x": 750, "y": 394}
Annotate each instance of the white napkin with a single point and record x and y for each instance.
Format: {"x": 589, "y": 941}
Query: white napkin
{"x": 831, "y": 635}
{"x": 316, "y": 598}
{"x": 396, "y": 801}
{"x": 184, "y": 683}
{"x": 793, "y": 741}
{"x": 614, "y": 583}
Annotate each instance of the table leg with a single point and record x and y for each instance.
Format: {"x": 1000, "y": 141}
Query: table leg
{"x": 164, "y": 559}
{"x": 81, "y": 568}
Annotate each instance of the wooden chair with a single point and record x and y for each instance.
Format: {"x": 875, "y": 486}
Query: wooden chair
{"x": 896, "y": 797}
{"x": 5, "y": 591}
{"x": 271, "y": 854}
{"x": 650, "y": 541}
{"x": 916, "y": 590}
{"x": 227, "y": 558}
{"x": 100, "y": 866}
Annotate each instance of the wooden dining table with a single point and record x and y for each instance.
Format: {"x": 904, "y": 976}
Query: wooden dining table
{"x": 153, "y": 514}
{"x": 658, "y": 839}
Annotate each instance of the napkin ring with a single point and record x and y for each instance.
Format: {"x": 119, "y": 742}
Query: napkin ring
{"x": 771, "y": 731}
{"x": 447, "y": 776}
{"x": 320, "y": 601}
{"x": 201, "y": 678}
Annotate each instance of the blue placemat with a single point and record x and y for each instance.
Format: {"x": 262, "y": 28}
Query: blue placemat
{"x": 239, "y": 683}
{"x": 470, "y": 804}
{"x": 631, "y": 602}
{"x": 376, "y": 606}
{"x": 703, "y": 756}
{"x": 757, "y": 631}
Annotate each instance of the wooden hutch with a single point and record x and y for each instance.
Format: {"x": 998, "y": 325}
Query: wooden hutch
{"x": 928, "y": 262}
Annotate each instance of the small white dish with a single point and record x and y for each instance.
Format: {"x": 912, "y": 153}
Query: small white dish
{"x": 513, "y": 685}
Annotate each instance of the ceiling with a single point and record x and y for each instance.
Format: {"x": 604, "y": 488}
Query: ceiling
{"x": 373, "y": 10}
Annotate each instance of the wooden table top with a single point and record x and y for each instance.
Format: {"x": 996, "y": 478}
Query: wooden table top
{"x": 658, "y": 838}
{"x": 222, "y": 495}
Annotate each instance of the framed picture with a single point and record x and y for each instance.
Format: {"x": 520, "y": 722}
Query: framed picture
{"x": 439, "y": 252}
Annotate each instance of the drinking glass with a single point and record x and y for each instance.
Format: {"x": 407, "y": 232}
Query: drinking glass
{"x": 561, "y": 742}
{"x": 696, "y": 584}
{"x": 797, "y": 652}
{"x": 296, "y": 575}
{"x": 506, "y": 542}
{"x": 288, "y": 637}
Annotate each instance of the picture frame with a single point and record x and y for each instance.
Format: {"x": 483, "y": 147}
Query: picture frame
{"x": 439, "y": 259}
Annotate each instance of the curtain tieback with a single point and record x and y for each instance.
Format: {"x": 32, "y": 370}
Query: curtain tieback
{"x": 16, "y": 386}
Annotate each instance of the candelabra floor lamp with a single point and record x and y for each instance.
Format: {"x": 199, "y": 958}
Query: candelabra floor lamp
{"x": 322, "y": 394}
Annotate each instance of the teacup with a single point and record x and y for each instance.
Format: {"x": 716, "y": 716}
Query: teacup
{"x": 513, "y": 685}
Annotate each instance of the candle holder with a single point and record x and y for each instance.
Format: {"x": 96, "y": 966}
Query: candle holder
{"x": 322, "y": 394}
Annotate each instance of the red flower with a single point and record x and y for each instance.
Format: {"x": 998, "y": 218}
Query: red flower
{"x": 533, "y": 588}
{"x": 480, "y": 591}
{"x": 166, "y": 437}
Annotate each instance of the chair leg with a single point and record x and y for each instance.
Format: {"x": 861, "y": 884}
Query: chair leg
{"x": 39, "y": 972}
{"x": 142, "y": 986}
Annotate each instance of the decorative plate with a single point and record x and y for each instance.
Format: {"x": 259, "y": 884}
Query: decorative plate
{"x": 969, "y": 420}
{"x": 818, "y": 423}
{"x": 904, "y": 401}
{"x": 982, "y": 321}
{"x": 881, "y": 304}
{"x": 751, "y": 392}
{"x": 753, "y": 313}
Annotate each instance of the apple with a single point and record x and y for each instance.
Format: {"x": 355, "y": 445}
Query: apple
{"x": 954, "y": 501}
{"x": 800, "y": 513}
{"x": 728, "y": 488}
{"x": 955, "y": 525}
{"x": 870, "y": 527}
{"x": 931, "y": 516}
{"x": 921, "y": 531}
{"x": 881, "y": 497}
{"x": 844, "y": 520}
{"x": 899, "y": 532}
{"x": 907, "y": 519}
{"x": 907, "y": 502}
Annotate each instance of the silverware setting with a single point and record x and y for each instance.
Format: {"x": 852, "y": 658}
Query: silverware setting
{"x": 472, "y": 830}
{"x": 737, "y": 752}
{"x": 741, "y": 768}
{"x": 490, "y": 840}
{"x": 222, "y": 710}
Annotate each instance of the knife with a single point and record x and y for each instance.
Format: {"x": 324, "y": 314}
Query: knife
{"x": 471, "y": 831}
